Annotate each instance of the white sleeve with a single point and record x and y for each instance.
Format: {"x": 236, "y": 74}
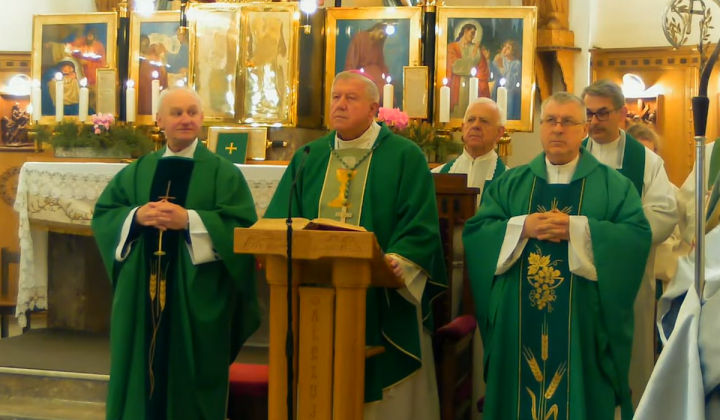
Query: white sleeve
{"x": 437, "y": 169}
{"x": 686, "y": 208}
{"x": 580, "y": 252}
{"x": 414, "y": 277}
{"x": 200, "y": 245}
{"x": 659, "y": 202}
{"x": 512, "y": 246}
{"x": 123, "y": 249}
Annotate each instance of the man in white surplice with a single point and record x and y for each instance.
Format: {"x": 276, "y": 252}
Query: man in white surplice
{"x": 614, "y": 147}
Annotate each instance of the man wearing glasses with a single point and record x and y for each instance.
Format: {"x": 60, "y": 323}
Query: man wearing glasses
{"x": 615, "y": 148}
{"x": 553, "y": 258}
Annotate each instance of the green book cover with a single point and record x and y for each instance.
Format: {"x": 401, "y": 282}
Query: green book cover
{"x": 232, "y": 146}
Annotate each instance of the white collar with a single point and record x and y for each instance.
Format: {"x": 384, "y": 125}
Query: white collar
{"x": 489, "y": 155}
{"x": 365, "y": 141}
{"x": 611, "y": 154}
{"x": 188, "y": 152}
{"x": 561, "y": 174}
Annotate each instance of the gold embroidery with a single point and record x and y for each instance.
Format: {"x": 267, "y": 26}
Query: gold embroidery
{"x": 554, "y": 208}
{"x": 539, "y": 406}
{"x": 344, "y": 176}
{"x": 544, "y": 279}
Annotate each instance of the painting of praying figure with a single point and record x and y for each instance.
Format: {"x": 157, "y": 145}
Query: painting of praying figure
{"x": 496, "y": 46}
{"x": 71, "y": 48}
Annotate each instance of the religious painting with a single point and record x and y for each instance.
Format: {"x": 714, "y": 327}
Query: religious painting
{"x": 379, "y": 42}
{"x": 71, "y": 49}
{"x": 158, "y": 51}
{"x": 15, "y": 109}
{"x": 487, "y": 52}
{"x": 214, "y": 45}
{"x": 268, "y": 65}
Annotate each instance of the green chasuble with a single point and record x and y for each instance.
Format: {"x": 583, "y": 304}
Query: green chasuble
{"x": 176, "y": 327}
{"x": 398, "y": 205}
{"x": 557, "y": 345}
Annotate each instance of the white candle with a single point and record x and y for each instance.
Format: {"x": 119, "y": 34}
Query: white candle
{"x": 501, "y": 99}
{"x": 36, "y": 101}
{"x": 29, "y": 109}
{"x": 84, "y": 99}
{"x": 473, "y": 84}
{"x": 155, "y": 94}
{"x": 445, "y": 102}
{"x": 130, "y": 101}
{"x": 388, "y": 94}
{"x": 59, "y": 97}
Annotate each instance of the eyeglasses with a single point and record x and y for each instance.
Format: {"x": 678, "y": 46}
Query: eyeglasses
{"x": 565, "y": 122}
{"x": 601, "y": 115}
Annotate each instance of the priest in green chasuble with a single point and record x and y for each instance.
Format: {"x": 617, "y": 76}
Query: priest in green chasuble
{"x": 183, "y": 301}
{"x": 363, "y": 174}
{"x": 612, "y": 146}
{"x": 556, "y": 255}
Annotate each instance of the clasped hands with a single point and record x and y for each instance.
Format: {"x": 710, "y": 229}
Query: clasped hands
{"x": 162, "y": 215}
{"x": 553, "y": 226}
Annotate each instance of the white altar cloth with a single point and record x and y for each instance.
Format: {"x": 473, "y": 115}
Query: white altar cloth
{"x": 65, "y": 194}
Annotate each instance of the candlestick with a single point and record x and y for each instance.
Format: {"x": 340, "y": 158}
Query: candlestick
{"x": 444, "y": 102}
{"x": 84, "y": 99}
{"x": 388, "y": 94}
{"x": 155, "y": 94}
{"x": 501, "y": 99}
{"x": 59, "y": 97}
{"x": 130, "y": 101}
{"x": 35, "y": 99}
{"x": 473, "y": 84}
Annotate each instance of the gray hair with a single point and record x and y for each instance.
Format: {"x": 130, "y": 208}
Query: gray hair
{"x": 166, "y": 92}
{"x": 500, "y": 112}
{"x": 371, "y": 89}
{"x": 606, "y": 89}
{"x": 562, "y": 98}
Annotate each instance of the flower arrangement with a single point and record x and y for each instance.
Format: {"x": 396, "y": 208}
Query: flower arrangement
{"x": 393, "y": 117}
{"x": 104, "y": 137}
{"x": 102, "y": 122}
{"x": 435, "y": 146}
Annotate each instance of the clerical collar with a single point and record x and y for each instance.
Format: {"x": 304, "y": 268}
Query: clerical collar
{"x": 188, "y": 152}
{"x": 561, "y": 174}
{"x": 489, "y": 155}
{"x": 610, "y": 154}
{"x": 365, "y": 141}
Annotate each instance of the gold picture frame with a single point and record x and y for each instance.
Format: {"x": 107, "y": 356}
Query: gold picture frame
{"x": 502, "y": 44}
{"x": 257, "y": 139}
{"x": 415, "y": 100}
{"x": 156, "y": 45}
{"x": 107, "y": 91}
{"x": 347, "y": 29}
{"x": 58, "y": 48}
{"x": 268, "y": 71}
{"x": 214, "y": 51}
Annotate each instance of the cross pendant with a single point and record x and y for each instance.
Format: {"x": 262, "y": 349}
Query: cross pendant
{"x": 343, "y": 214}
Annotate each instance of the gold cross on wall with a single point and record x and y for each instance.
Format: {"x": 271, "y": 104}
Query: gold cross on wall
{"x": 343, "y": 214}
{"x": 231, "y": 148}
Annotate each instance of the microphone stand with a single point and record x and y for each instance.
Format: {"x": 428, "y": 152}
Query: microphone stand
{"x": 289, "y": 341}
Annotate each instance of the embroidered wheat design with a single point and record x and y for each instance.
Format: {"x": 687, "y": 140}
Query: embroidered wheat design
{"x": 162, "y": 294}
{"x": 545, "y": 343}
{"x": 555, "y": 381}
{"x": 534, "y": 368}
{"x": 153, "y": 286}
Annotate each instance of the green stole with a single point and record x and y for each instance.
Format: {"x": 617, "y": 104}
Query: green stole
{"x": 337, "y": 178}
{"x": 170, "y": 182}
{"x": 545, "y": 311}
{"x": 499, "y": 169}
{"x": 714, "y": 164}
{"x": 633, "y": 164}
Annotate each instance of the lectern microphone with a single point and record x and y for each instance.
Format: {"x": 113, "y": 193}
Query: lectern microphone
{"x": 289, "y": 342}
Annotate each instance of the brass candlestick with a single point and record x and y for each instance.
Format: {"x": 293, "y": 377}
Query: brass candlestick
{"x": 158, "y": 137}
{"x": 32, "y": 131}
{"x": 503, "y": 147}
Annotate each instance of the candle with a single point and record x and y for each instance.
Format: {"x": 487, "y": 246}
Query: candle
{"x": 388, "y": 94}
{"x": 59, "y": 97}
{"x": 130, "y": 101}
{"x": 29, "y": 109}
{"x": 155, "y": 94}
{"x": 502, "y": 98}
{"x": 445, "y": 102}
{"x": 84, "y": 99}
{"x": 473, "y": 84}
{"x": 36, "y": 101}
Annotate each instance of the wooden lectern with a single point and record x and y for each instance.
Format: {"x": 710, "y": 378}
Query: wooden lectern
{"x": 331, "y": 273}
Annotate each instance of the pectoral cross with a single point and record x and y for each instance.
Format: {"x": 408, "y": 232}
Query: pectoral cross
{"x": 167, "y": 197}
{"x": 343, "y": 214}
{"x": 231, "y": 148}
{"x": 163, "y": 198}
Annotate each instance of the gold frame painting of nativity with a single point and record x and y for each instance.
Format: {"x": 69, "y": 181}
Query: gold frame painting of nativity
{"x": 74, "y": 46}
{"x": 269, "y": 73}
{"x": 498, "y": 43}
{"x": 379, "y": 41}
{"x": 157, "y": 48}
{"x": 214, "y": 52}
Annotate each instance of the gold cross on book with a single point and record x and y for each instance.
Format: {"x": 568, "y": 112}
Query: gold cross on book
{"x": 231, "y": 148}
{"x": 343, "y": 214}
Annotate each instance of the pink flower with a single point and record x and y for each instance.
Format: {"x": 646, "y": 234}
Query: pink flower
{"x": 97, "y": 130}
{"x": 393, "y": 117}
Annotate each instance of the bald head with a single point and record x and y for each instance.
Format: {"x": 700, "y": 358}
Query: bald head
{"x": 173, "y": 92}
{"x": 180, "y": 116}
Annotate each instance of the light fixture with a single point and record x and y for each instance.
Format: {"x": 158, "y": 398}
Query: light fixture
{"x": 633, "y": 85}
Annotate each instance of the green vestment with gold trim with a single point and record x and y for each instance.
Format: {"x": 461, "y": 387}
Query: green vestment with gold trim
{"x": 398, "y": 205}
{"x": 557, "y": 345}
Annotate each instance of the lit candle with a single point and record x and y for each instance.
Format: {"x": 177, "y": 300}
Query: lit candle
{"x": 155, "y": 94}
{"x": 445, "y": 102}
{"x": 36, "y": 101}
{"x": 29, "y": 109}
{"x": 388, "y": 94}
{"x": 59, "y": 97}
{"x": 130, "y": 101}
{"x": 84, "y": 99}
{"x": 473, "y": 84}
{"x": 501, "y": 99}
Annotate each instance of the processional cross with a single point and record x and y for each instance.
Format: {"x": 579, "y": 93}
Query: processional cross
{"x": 677, "y": 23}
